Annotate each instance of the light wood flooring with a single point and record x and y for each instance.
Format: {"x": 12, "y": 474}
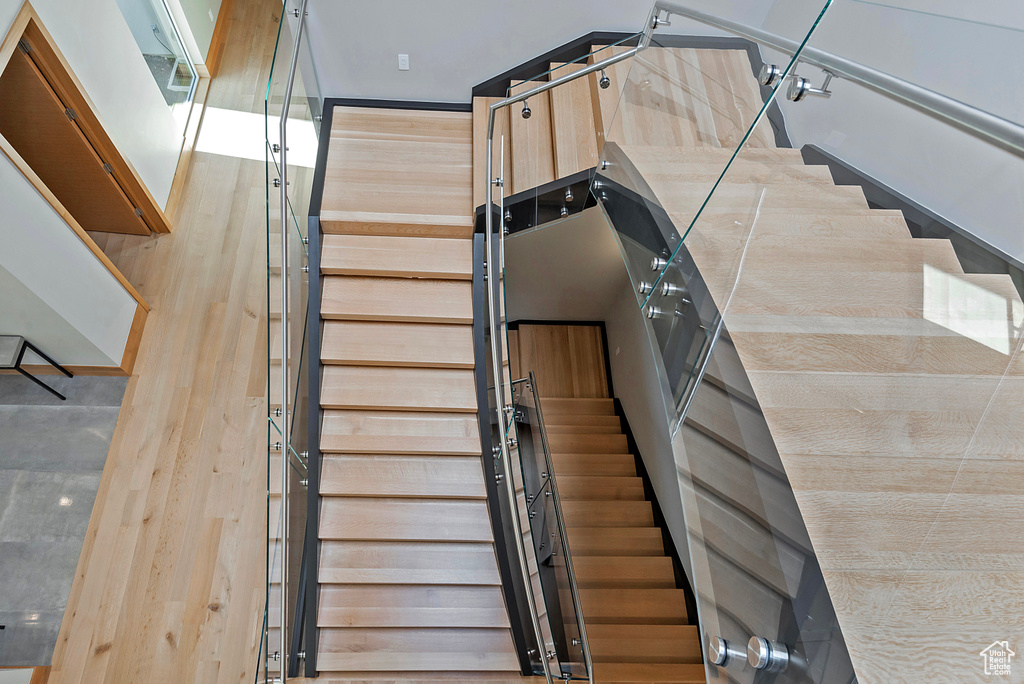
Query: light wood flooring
{"x": 170, "y": 585}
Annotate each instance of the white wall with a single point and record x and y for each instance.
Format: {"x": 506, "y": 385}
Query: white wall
{"x": 96, "y": 41}
{"x": 53, "y": 290}
{"x": 974, "y": 185}
{"x": 456, "y": 44}
{"x": 198, "y": 18}
{"x": 573, "y": 270}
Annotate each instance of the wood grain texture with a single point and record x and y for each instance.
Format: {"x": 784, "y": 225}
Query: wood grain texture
{"x": 397, "y": 476}
{"x": 170, "y": 584}
{"x": 371, "y": 255}
{"x": 532, "y": 145}
{"x": 632, "y": 672}
{"x": 408, "y": 563}
{"x": 32, "y": 119}
{"x": 885, "y": 375}
{"x": 683, "y": 96}
{"x": 417, "y": 345}
{"x": 375, "y": 518}
{"x": 573, "y": 131}
{"x": 400, "y": 162}
{"x": 501, "y": 136}
{"x": 411, "y": 606}
{"x": 416, "y": 649}
{"x": 567, "y": 360}
{"x": 51, "y": 62}
{"x": 409, "y": 577}
{"x": 394, "y": 432}
{"x": 407, "y": 300}
{"x": 412, "y": 389}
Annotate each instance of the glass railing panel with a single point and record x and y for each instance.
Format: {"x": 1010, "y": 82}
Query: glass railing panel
{"x": 684, "y": 113}
{"x": 502, "y": 464}
{"x": 287, "y": 293}
{"x": 550, "y": 545}
{"x": 937, "y": 304}
{"x": 879, "y": 359}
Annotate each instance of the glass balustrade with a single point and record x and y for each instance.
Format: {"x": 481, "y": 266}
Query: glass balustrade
{"x": 553, "y": 559}
{"x": 289, "y": 165}
{"x": 850, "y": 246}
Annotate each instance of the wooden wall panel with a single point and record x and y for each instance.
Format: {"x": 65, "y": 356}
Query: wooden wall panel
{"x": 572, "y": 124}
{"x": 568, "y": 360}
{"x": 33, "y": 121}
{"x": 533, "y": 155}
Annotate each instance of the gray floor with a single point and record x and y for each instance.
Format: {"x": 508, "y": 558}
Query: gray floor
{"x": 51, "y": 455}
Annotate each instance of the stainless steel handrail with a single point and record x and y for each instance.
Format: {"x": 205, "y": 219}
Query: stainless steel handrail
{"x": 566, "y": 550}
{"x": 494, "y": 279}
{"x": 285, "y": 417}
{"x": 981, "y": 124}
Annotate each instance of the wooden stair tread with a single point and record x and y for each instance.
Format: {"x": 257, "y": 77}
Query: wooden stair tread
{"x": 573, "y": 131}
{"x": 531, "y": 143}
{"x": 455, "y": 477}
{"x": 869, "y": 224}
{"x": 399, "y": 161}
{"x": 582, "y": 429}
{"x": 361, "y": 298}
{"x": 644, "y": 643}
{"x": 622, "y": 465}
{"x": 399, "y": 432}
{"x": 416, "y": 649}
{"x": 581, "y": 419}
{"x": 588, "y": 443}
{"x": 590, "y": 487}
{"x": 424, "y": 345}
{"x": 371, "y": 518}
{"x": 413, "y": 257}
{"x": 410, "y": 389}
{"x": 627, "y": 605}
{"x": 616, "y": 541}
{"x": 387, "y": 562}
{"x": 593, "y": 572}
{"x": 389, "y": 605}
{"x": 335, "y": 222}
{"x": 608, "y": 513}
{"x": 623, "y": 673}
{"x": 553, "y": 406}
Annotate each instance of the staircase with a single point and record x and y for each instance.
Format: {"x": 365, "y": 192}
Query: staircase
{"x": 409, "y": 583}
{"x": 635, "y": 614}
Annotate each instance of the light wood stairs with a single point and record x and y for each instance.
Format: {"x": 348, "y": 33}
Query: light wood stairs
{"x": 841, "y": 319}
{"x": 409, "y": 580}
{"x": 636, "y": 616}
{"x": 680, "y": 97}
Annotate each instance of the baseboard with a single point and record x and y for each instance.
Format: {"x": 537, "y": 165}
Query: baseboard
{"x": 219, "y": 40}
{"x": 188, "y": 146}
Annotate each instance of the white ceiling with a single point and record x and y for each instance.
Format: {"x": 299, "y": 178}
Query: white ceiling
{"x": 456, "y": 44}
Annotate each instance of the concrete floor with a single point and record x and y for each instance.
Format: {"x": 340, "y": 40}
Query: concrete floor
{"x": 51, "y": 456}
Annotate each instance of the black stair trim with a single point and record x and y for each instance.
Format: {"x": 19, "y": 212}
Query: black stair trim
{"x": 419, "y": 105}
{"x": 974, "y": 254}
{"x": 513, "y": 587}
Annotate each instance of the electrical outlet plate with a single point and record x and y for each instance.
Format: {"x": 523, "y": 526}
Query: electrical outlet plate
{"x": 403, "y": 62}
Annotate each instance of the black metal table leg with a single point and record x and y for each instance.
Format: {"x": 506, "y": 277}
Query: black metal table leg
{"x": 21, "y": 356}
{"x": 40, "y": 382}
{"x": 50, "y": 361}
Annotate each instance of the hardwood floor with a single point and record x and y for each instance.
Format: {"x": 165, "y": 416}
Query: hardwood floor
{"x": 170, "y": 583}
